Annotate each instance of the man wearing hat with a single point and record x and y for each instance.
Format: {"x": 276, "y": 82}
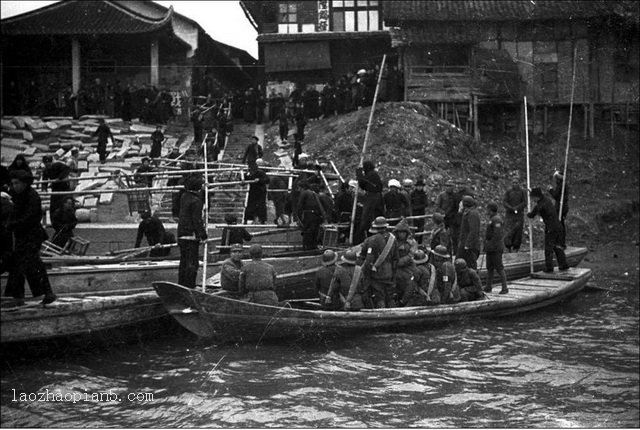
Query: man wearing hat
{"x": 312, "y": 211}
{"x": 468, "y": 282}
{"x": 419, "y": 201}
{"x": 350, "y": 283}
{"x": 257, "y": 198}
{"x": 230, "y": 270}
{"x": 324, "y": 281}
{"x": 252, "y": 152}
{"x": 232, "y": 234}
{"x": 103, "y": 133}
{"x": 406, "y": 245}
{"x": 28, "y": 233}
{"x": 552, "y": 230}
{"x": 372, "y": 205}
{"x": 396, "y": 203}
{"x": 445, "y": 275}
{"x": 380, "y": 254}
{"x": 469, "y": 243}
{"x": 58, "y": 172}
{"x": 440, "y": 234}
{"x": 556, "y": 193}
{"x": 514, "y": 202}
{"x": 422, "y": 290}
{"x": 191, "y": 230}
{"x": 258, "y": 279}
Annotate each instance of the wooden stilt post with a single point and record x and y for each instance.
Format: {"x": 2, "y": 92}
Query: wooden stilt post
{"x": 206, "y": 213}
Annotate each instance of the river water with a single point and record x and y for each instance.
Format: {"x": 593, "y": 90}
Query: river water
{"x": 570, "y": 365}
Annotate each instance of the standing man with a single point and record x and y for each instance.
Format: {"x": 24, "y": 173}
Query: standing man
{"x": 469, "y": 244}
{"x": 372, "y": 205}
{"x": 447, "y": 203}
{"x": 257, "y": 200}
{"x": 28, "y": 233}
{"x": 156, "y": 143}
{"x": 493, "y": 248}
{"x": 103, "y": 132}
{"x": 514, "y": 203}
{"x": 349, "y": 283}
{"x": 395, "y": 202}
{"x": 380, "y": 253}
{"x": 58, "y": 172}
{"x": 312, "y": 213}
{"x": 552, "y": 230}
{"x": 556, "y": 193}
{"x": 253, "y": 151}
{"x": 191, "y": 231}
{"x": 258, "y": 279}
{"x": 196, "y": 119}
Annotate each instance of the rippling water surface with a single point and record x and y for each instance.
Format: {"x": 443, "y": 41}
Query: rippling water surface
{"x": 571, "y": 365}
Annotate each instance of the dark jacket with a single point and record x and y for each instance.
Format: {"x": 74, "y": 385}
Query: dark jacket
{"x": 231, "y": 235}
{"x": 469, "y": 281}
{"x": 24, "y": 221}
{"x": 396, "y": 204}
{"x": 153, "y": 229}
{"x": 230, "y": 275}
{"x": 342, "y": 203}
{"x": 103, "y": 132}
{"x": 494, "y": 235}
{"x": 369, "y": 181}
{"x": 372, "y": 247}
{"x": 448, "y": 204}
{"x": 515, "y": 200}
{"x": 470, "y": 230}
{"x": 258, "y": 190}
{"x": 190, "y": 219}
{"x": 419, "y": 202}
{"x": 57, "y": 170}
{"x": 556, "y": 193}
{"x": 445, "y": 280}
{"x": 316, "y": 203}
{"x": 252, "y": 153}
{"x": 548, "y": 213}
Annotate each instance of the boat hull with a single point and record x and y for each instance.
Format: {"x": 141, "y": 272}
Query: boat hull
{"x": 215, "y": 316}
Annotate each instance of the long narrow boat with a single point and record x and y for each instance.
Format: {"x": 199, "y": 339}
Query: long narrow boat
{"x": 227, "y": 319}
{"x": 140, "y": 274}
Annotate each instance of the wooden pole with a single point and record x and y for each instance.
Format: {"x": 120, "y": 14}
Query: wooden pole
{"x": 566, "y": 154}
{"x": 526, "y": 137}
{"x": 206, "y": 212}
{"x": 364, "y": 147}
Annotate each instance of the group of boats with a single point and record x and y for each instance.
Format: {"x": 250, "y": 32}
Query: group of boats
{"x": 97, "y": 297}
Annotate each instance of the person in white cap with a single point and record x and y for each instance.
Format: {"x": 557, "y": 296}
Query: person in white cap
{"x": 396, "y": 204}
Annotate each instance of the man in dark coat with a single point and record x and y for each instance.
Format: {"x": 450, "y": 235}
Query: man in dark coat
{"x": 468, "y": 282}
{"x": 252, "y": 152}
{"x": 191, "y": 231}
{"x": 153, "y": 229}
{"x": 103, "y": 132}
{"x": 373, "y": 205}
{"x": 445, "y": 275}
{"x": 312, "y": 213}
{"x": 58, "y": 172}
{"x": 144, "y": 180}
{"x": 24, "y": 224}
{"x": 556, "y": 193}
{"x": 230, "y": 270}
{"x": 279, "y": 197}
{"x": 515, "y": 201}
{"x": 380, "y": 254}
{"x": 196, "y": 119}
{"x": 447, "y": 203}
{"x": 258, "y": 279}
{"x": 552, "y": 230}
{"x": 257, "y": 200}
{"x": 396, "y": 204}
{"x": 493, "y": 248}
{"x": 63, "y": 221}
{"x": 469, "y": 244}
{"x": 232, "y": 235}
{"x": 156, "y": 142}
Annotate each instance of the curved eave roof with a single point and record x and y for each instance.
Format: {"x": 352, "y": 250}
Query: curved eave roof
{"x": 83, "y": 17}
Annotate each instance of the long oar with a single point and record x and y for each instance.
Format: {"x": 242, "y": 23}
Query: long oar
{"x": 526, "y": 134}
{"x": 566, "y": 154}
{"x": 364, "y": 148}
{"x": 206, "y": 212}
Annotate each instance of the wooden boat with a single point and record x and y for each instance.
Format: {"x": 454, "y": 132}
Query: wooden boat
{"x": 82, "y": 314}
{"x": 224, "y": 318}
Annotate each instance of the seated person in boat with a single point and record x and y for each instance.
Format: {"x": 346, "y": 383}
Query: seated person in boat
{"x": 423, "y": 290}
{"x": 406, "y": 267}
{"x": 468, "y": 282}
{"x": 230, "y": 272}
{"x": 445, "y": 275}
{"x": 258, "y": 279}
{"x": 153, "y": 229}
{"x": 233, "y": 235}
{"x": 349, "y": 283}
{"x": 63, "y": 221}
{"x": 325, "y": 282}
{"x": 380, "y": 253}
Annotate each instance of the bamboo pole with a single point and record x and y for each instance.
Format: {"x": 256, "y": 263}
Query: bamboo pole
{"x": 526, "y": 136}
{"x": 335, "y": 169}
{"x": 206, "y": 213}
{"x": 566, "y": 154}
{"x": 364, "y": 147}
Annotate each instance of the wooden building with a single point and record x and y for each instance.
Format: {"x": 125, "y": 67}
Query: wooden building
{"x": 466, "y": 56}
{"x": 313, "y": 42}
{"x": 132, "y": 43}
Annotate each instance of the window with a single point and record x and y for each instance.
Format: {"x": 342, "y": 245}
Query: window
{"x": 357, "y": 15}
{"x": 288, "y": 17}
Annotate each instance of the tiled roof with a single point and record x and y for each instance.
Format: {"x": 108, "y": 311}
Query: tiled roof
{"x": 492, "y": 10}
{"x": 321, "y": 35}
{"x": 83, "y": 17}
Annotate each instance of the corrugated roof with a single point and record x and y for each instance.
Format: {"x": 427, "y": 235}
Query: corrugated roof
{"x": 83, "y": 17}
{"x": 492, "y": 10}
